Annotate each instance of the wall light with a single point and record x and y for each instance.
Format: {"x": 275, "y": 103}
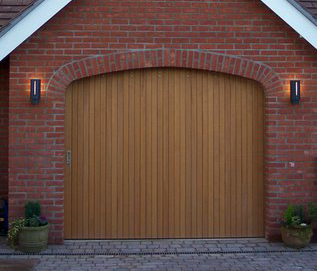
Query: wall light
{"x": 35, "y": 91}
{"x": 295, "y": 91}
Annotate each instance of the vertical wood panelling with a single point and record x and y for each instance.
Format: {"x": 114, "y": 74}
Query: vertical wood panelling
{"x": 80, "y": 156}
{"x": 154, "y": 155}
{"x": 74, "y": 174}
{"x": 205, "y": 160}
{"x": 166, "y": 206}
{"x": 102, "y": 161}
{"x": 125, "y": 90}
{"x": 91, "y": 162}
{"x": 68, "y": 169}
{"x": 216, "y": 154}
{"x": 228, "y": 147}
{"x": 182, "y": 173}
{"x": 171, "y": 147}
{"x": 108, "y": 155}
{"x": 160, "y": 177}
{"x": 193, "y": 131}
{"x": 97, "y": 158}
{"x": 210, "y": 146}
{"x": 122, "y": 162}
{"x": 233, "y": 157}
{"x": 114, "y": 157}
{"x": 164, "y": 153}
{"x": 137, "y": 157}
{"x": 148, "y": 156}
{"x": 143, "y": 221}
{"x": 85, "y": 133}
{"x": 238, "y": 147}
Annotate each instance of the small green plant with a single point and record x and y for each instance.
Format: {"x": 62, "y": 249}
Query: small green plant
{"x": 299, "y": 216}
{"x": 34, "y": 221}
{"x": 288, "y": 215}
{"x": 312, "y": 211}
{"x": 14, "y": 230}
{"x": 32, "y": 208}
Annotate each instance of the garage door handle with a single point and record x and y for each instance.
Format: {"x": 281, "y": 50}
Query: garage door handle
{"x": 69, "y": 158}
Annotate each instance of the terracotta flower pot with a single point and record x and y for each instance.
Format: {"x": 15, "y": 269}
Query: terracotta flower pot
{"x": 296, "y": 237}
{"x": 33, "y": 239}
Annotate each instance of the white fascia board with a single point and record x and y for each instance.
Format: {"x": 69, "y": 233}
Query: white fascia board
{"x": 25, "y": 27}
{"x": 295, "y": 19}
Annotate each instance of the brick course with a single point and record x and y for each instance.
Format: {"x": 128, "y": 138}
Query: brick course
{"x": 241, "y": 37}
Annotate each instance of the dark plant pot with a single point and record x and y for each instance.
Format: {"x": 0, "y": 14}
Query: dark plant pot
{"x": 296, "y": 237}
{"x": 33, "y": 239}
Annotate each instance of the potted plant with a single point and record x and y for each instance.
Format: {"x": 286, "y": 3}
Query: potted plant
{"x": 296, "y": 227}
{"x": 31, "y": 232}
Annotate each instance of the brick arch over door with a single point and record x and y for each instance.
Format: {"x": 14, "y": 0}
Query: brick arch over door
{"x": 203, "y": 60}
{"x": 127, "y": 60}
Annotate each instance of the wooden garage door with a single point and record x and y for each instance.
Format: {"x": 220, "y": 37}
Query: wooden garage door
{"x": 164, "y": 153}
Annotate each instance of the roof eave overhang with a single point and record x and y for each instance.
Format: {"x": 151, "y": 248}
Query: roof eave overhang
{"x": 292, "y": 15}
{"x": 27, "y": 23}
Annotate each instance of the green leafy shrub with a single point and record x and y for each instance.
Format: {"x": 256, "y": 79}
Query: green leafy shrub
{"x": 32, "y": 208}
{"x": 312, "y": 211}
{"x": 288, "y": 215}
{"x": 300, "y": 213}
{"x": 299, "y": 216}
{"x": 34, "y": 221}
{"x": 14, "y": 230}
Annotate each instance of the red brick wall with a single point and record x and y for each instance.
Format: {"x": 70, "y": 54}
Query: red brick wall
{"x": 4, "y": 131}
{"x": 242, "y": 36}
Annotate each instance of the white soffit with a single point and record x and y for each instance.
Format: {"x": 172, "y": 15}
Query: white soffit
{"x": 294, "y": 18}
{"x": 28, "y": 24}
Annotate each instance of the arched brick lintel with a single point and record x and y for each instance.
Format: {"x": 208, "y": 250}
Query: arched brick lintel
{"x": 196, "y": 59}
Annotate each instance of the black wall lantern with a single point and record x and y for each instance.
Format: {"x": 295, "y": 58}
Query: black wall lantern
{"x": 35, "y": 91}
{"x": 295, "y": 91}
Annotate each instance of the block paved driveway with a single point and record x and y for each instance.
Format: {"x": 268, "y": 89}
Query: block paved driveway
{"x": 238, "y": 254}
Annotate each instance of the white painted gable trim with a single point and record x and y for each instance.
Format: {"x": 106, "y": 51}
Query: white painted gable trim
{"x": 295, "y": 19}
{"x": 28, "y": 24}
